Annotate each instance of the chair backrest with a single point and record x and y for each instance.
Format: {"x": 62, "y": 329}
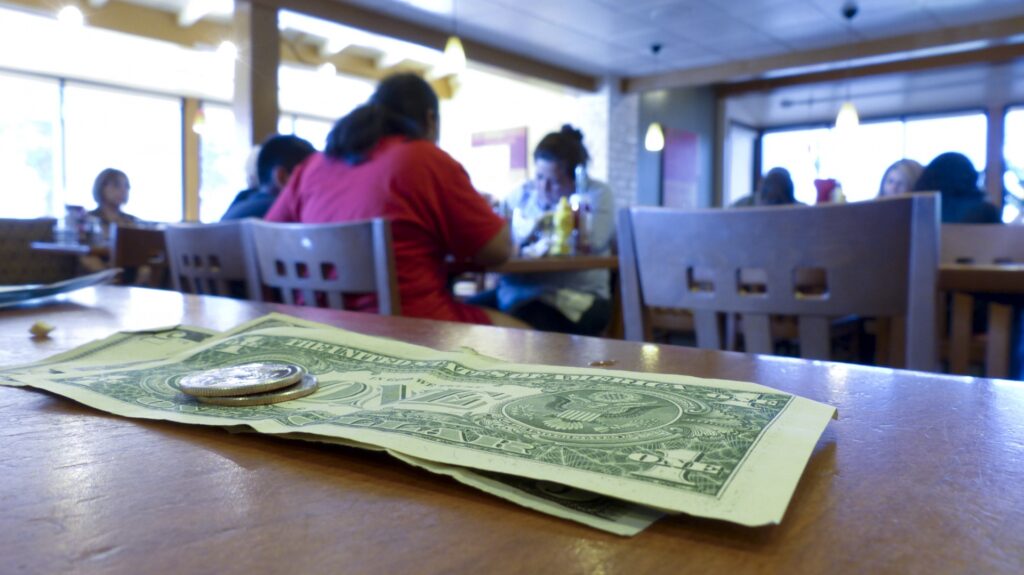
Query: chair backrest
{"x": 19, "y": 264}
{"x": 318, "y": 264}
{"x": 875, "y": 259}
{"x": 142, "y": 253}
{"x": 213, "y": 259}
{"x": 982, "y": 244}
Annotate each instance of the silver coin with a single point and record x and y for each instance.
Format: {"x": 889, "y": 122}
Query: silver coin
{"x": 244, "y": 379}
{"x": 305, "y": 387}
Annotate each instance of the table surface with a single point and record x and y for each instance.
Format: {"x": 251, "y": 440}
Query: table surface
{"x": 997, "y": 278}
{"x": 71, "y": 249}
{"x": 921, "y": 473}
{"x": 520, "y": 265}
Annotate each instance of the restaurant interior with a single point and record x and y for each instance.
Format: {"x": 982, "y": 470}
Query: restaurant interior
{"x": 724, "y": 211}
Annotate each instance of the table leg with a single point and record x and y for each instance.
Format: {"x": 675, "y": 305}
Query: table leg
{"x": 997, "y": 349}
{"x": 960, "y": 333}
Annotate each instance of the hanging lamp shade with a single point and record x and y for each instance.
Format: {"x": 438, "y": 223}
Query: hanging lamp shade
{"x": 847, "y": 117}
{"x": 454, "y": 55}
{"x": 654, "y": 140}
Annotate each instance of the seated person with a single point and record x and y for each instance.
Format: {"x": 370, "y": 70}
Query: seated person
{"x": 775, "y": 189}
{"x": 110, "y": 190}
{"x": 899, "y": 178}
{"x": 954, "y": 177}
{"x": 382, "y": 160}
{"x": 275, "y": 161}
{"x": 568, "y": 302}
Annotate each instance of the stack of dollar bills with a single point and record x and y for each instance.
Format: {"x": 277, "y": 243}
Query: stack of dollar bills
{"x": 614, "y": 450}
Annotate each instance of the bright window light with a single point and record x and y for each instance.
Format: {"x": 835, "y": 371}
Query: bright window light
{"x": 71, "y": 16}
{"x": 227, "y": 50}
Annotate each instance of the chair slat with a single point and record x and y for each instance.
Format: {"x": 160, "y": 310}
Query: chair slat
{"x": 708, "y": 333}
{"x": 757, "y": 333}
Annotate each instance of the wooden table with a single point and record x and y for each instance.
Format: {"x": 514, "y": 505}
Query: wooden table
{"x": 964, "y": 281}
{"x": 71, "y": 249}
{"x": 922, "y": 473}
{"x": 519, "y": 265}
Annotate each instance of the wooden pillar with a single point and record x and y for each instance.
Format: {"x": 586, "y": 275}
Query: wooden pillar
{"x": 997, "y": 97}
{"x": 995, "y": 165}
{"x": 259, "y": 56}
{"x": 191, "y": 163}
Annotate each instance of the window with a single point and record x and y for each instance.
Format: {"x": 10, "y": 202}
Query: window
{"x": 221, "y": 164}
{"x": 742, "y": 144}
{"x": 30, "y": 146}
{"x": 800, "y": 152}
{"x": 858, "y": 159}
{"x": 313, "y": 130}
{"x": 926, "y": 138}
{"x": 1013, "y": 153}
{"x": 137, "y": 133}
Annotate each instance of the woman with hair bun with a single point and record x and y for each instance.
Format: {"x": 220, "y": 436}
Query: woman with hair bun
{"x": 382, "y": 160}
{"x": 568, "y": 302}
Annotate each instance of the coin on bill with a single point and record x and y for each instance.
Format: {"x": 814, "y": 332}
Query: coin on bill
{"x": 243, "y": 379}
{"x": 305, "y": 387}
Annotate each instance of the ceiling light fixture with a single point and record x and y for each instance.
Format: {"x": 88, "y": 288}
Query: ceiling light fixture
{"x": 654, "y": 139}
{"x": 848, "y": 118}
{"x": 454, "y": 53}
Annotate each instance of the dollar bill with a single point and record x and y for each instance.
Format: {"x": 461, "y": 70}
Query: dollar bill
{"x": 719, "y": 449}
{"x": 596, "y": 511}
{"x": 116, "y": 351}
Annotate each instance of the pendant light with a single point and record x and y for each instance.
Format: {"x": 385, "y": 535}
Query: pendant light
{"x": 848, "y": 118}
{"x": 454, "y": 54}
{"x": 654, "y": 139}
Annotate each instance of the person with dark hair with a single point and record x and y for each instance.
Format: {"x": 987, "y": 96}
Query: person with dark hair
{"x": 775, "y": 189}
{"x": 954, "y": 177}
{"x": 382, "y": 160}
{"x": 568, "y": 302}
{"x": 110, "y": 190}
{"x": 275, "y": 162}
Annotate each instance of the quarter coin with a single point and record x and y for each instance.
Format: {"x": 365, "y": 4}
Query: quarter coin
{"x": 305, "y": 387}
{"x": 244, "y": 379}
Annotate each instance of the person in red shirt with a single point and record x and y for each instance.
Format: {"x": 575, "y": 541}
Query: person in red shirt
{"x": 382, "y": 160}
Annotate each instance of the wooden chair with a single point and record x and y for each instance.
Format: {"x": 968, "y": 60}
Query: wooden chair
{"x": 213, "y": 259}
{"x": 142, "y": 253}
{"x": 318, "y": 264}
{"x": 19, "y": 264}
{"x": 980, "y": 244}
{"x": 876, "y": 259}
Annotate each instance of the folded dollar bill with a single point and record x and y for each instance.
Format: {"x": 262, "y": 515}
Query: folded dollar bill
{"x": 719, "y": 449}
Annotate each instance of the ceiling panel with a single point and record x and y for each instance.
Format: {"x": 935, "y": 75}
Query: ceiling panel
{"x": 613, "y": 37}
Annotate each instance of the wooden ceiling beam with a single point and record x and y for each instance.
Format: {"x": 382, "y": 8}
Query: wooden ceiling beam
{"x": 993, "y": 55}
{"x": 371, "y": 21}
{"x": 753, "y": 68}
{"x": 156, "y": 24}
